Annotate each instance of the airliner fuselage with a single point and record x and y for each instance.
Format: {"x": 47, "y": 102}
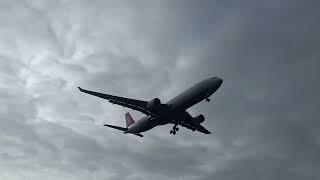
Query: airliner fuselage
{"x": 188, "y": 98}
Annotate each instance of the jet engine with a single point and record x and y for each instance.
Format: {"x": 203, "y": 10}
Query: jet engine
{"x": 154, "y": 104}
{"x": 199, "y": 119}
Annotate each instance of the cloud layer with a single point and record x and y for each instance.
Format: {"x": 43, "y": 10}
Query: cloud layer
{"x": 264, "y": 117}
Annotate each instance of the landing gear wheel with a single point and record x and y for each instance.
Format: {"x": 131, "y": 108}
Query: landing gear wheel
{"x": 173, "y": 132}
{"x": 174, "y": 129}
{"x": 208, "y": 99}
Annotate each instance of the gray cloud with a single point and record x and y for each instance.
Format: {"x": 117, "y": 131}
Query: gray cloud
{"x": 264, "y": 117}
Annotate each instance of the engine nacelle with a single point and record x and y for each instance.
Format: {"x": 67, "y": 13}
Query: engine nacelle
{"x": 154, "y": 104}
{"x": 199, "y": 119}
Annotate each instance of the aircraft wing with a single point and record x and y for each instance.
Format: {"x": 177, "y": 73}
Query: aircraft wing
{"x": 202, "y": 129}
{"x": 186, "y": 120}
{"x": 125, "y": 102}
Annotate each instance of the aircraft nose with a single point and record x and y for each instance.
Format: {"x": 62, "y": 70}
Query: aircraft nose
{"x": 220, "y": 81}
{"x": 216, "y": 82}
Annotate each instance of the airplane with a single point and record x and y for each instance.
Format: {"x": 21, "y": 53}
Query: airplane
{"x": 172, "y": 112}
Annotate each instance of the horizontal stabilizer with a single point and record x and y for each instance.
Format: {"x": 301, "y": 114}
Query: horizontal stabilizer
{"x": 117, "y": 127}
{"x": 121, "y": 129}
{"x": 140, "y": 135}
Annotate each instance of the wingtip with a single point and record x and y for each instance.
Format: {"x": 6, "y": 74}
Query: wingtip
{"x": 80, "y": 88}
{"x": 207, "y": 132}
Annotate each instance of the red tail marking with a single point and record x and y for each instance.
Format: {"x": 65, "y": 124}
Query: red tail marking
{"x": 129, "y": 120}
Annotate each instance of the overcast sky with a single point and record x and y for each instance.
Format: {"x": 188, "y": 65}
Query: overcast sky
{"x": 264, "y": 118}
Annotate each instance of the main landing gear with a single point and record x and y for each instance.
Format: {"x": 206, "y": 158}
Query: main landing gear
{"x": 174, "y": 130}
{"x": 208, "y": 99}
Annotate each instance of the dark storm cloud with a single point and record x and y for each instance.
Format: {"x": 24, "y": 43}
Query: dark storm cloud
{"x": 269, "y": 106}
{"x": 264, "y": 117}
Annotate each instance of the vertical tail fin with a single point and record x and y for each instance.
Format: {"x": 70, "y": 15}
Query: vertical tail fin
{"x": 129, "y": 120}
